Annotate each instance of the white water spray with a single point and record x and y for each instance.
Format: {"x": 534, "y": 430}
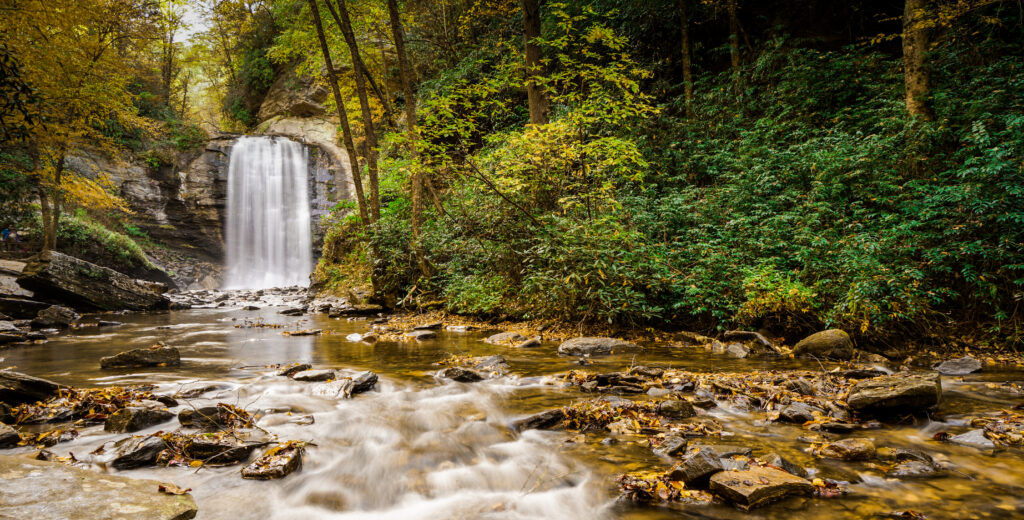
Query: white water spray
{"x": 268, "y": 222}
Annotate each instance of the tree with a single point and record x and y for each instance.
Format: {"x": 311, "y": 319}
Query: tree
{"x": 172, "y": 14}
{"x": 734, "y": 35}
{"x": 350, "y": 146}
{"x": 684, "y": 23}
{"x": 916, "y": 77}
{"x": 531, "y": 31}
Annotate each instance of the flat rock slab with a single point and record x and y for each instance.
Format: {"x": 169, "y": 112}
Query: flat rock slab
{"x": 17, "y": 388}
{"x": 62, "y": 278}
{"x": 901, "y": 393}
{"x": 314, "y": 375}
{"x": 143, "y": 357}
{"x": 596, "y": 347}
{"x": 39, "y": 489}
{"x": 505, "y": 338}
{"x": 757, "y": 487}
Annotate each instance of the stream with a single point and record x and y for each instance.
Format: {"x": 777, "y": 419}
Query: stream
{"x": 422, "y": 447}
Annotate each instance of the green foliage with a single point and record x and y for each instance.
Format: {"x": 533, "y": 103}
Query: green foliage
{"x": 79, "y": 232}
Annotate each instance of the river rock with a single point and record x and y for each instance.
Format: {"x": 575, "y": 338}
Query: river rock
{"x": 973, "y": 439}
{"x": 596, "y": 346}
{"x": 197, "y": 390}
{"x": 9, "y": 437}
{"x": 429, "y": 326}
{"x": 903, "y": 393}
{"x": 58, "y": 277}
{"x": 798, "y": 412}
{"x": 530, "y": 343}
{"x": 218, "y": 451}
{"x": 204, "y": 418}
{"x": 676, "y": 409}
{"x": 361, "y": 309}
{"x": 19, "y": 307}
{"x": 849, "y": 449}
{"x": 314, "y": 375}
{"x": 542, "y": 421}
{"x": 277, "y": 462}
{"x": 363, "y": 382}
{"x": 17, "y": 388}
{"x": 913, "y": 469}
{"x": 293, "y": 311}
{"x": 54, "y": 316}
{"x": 345, "y": 388}
{"x": 7, "y": 326}
{"x": 722, "y": 451}
{"x": 291, "y": 370}
{"x": 737, "y": 350}
{"x": 157, "y": 355}
{"x": 959, "y": 367}
{"x": 505, "y": 338}
{"x": 829, "y": 344}
{"x": 6, "y": 338}
{"x": 671, "y": 446}
{"x": 105, "y": 323}
{"x": 696, "y": 468}
{"x": 495, "y": 364}
{"x": 784, "y": 464}
{"x": 138, "y": 451}
{"x": 758, "y": 486}
{"x": 462, "y": 375}
{"x": 421, "y": 335}
{"x": 135, "y": 418}
{"x": 53, "y": 490}
{"x": 801, "y": 386}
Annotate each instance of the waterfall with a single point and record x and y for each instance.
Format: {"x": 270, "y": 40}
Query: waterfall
{"x": 268, "y": 215}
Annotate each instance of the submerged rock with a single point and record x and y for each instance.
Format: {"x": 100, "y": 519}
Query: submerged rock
{"x": 758, "y": 486}
{"x": 138, "y": 451}
{"x": 291, "y": 370}
{"x": 314, "y": 375}
{"x": 676, "y": 409}
{"x": 973, "y": 439}
{"x": 596, "y": 346}
{"x": 913, "y": 469}
{"x": 505, "y": 338}
{"x": 277, "y": 462}
{"x": 54, "y": 316}
{"x": 829, "y": 344}
{"x": 135, "y": 418}
{"x": 462, "y": 375}
{"x": 17, "y": 388}
{"x": 904, "y": 393}
{"x": 40, "y": 489}
{"x": 959, "y": 367}
{"x": 58, "y": 277}
{"x": 157, "y": 355}
{"x": 219, "y": 451}
{"x": 849, "y": 449}
{"x": 542, "y": 421}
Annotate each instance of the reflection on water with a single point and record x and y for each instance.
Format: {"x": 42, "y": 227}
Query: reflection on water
{"x": 423, "y": 448}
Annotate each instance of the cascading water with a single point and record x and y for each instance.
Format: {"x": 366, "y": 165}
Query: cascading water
{"x": 268, "y": 216}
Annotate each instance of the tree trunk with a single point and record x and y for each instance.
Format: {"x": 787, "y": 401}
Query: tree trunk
{"x": 52, "y": 206}
{"x": 734, "y": 35}
{"x": 346, "y": 129}
{"x": 416, "y": 180}
{"x": 377, "y": 91}
{"x": 364, "y": 104}
{"x": 915, "y": 69}
{"x": 531, "y": 31}
{"x": 184, "y": 96}
{"x": 687, "y": 65}
{"x": 167, "y": 67}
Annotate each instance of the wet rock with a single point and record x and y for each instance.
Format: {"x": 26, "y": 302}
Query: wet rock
{"x": 596, "y": 346}
{"x": 157, "y": 355}
{"x": 104, "y": 323}
{"x": 505, "y": 338}
{"x": 903, "y": 393}
{"x": 530, "y": 343}
{"x": 314, "y": 375}
{"x": 291, "y": 370}
{"x": 17, "y": 388}
{"x": 9, "y": 327}
{"x": 251, "y": 308}
{"x": 958, "y": 367}
{"x": 166, "y": 400}
{"x": 676, "y": 409}
{"x": 829, "y": 344}
{"x": 758, "y": 486}
{"x": 52, "y": 490}
{"x": 362, "y": 309}
{"x": 135, "y": 418}
{"x": 197, "y": 391}
{"x": 137, "y": 452}
{"x": 205, "y": 418}
{"x": 913, "y": 469}
{"x": 737, "y": 350}
{"x": 293, "y": 311}
{"x": 734, "y": 464}
{"x": 20, "y": 308}
{"x": 904, "y": 454}
{"x": 973, "y": 439}
{"x": 54, "y": 316}
{"x": 460, "y": 328}
{"x": 496, "y": 364}
{"x": 347, "y": 387}
{"x": 277, "y": 462}
{"x": 722, "y": 451}
{"x": 696, "y": 468}
{"x": 62, "y": 278}
{"x": 839, "y": 427}
{"x": 429, "y": 326}
{"x": 671, "y": 445}
{"x": 6, "y": 338}
{"x": 9, "y": 437}
{"x": 778, "y": 461}
{"x": 542, "y": 421}
{"x": 798, "y": 412}
{"x": 647, "y": 372}
{"x": 692, "y": 338}
{"x": 217, "y": 451}
{"x": 849, "y": 449}
{"x": 421, "y": 334}
{"x": 861, "y": 373}
{"x": 462, "y": 375}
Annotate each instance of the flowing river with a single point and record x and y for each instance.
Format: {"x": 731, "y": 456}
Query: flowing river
{"x": 422, "y": 447}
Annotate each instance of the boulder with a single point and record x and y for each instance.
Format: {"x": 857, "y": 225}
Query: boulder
{"x": 545, "y": 420}
{"x": 6, "y": 338}
{"x": 277, "y": 462}
{"x": 676, "y": 409}
{"x": 40, "y": 489}
{"x": 429, "y": 326}
{"x": 462, "y": 375}
{"x": 362, "y": 309}
{"x": 135, "y": 418}
{"x": 737, "y": 350}
{"x": 291, "y": 370}
{"x": 293, "y": 311}
{"x": 20, "y": 307}
{"x": 218, "y": 451}
{"x": 903, "y": 393}
{"x": 696, "y": 468}
{"x": 849, "y": 449}
{"x": 363, "y": 382}
{"x": 314, "y": 375}
{"x": 205, "y": 418}
{"x": 778, "y": 461}
{"x": 973, "y": 439}
{"x": 722, "y": 451}
{"x": 959, "y": 367}
{"x": 345, "y": 388}
{"x": 421, "y": 335}
{"x": 9, "y": 437}
{"x": 758, "y": 486}
{"x": 58, "y": 277}
{"x": 54, "y": 316}
{"x": 530, "y": 343}
{"x": 798, "y": 412}
{"x": 913, "y": 469}
{"x": 828, "y": 344}
{"x": 7, "y": 326}
{"x": 505, "y": 338}
{"x": 17, "y": 388}
{"x": 496, "y": 364}
{"x": 157, "y": 355}
{"x": 671, "y": 445}
{"x": 138, "y": 451}
{"x": 596, "y": 347}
